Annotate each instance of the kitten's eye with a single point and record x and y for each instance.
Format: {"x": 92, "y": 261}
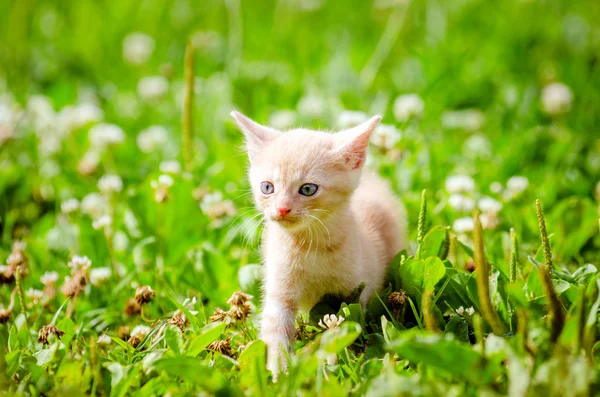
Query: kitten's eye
{"x": 267, "y": 188}
{"x": 308, "y": 189}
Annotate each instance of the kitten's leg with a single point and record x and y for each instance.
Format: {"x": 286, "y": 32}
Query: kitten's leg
{"x": 278, "y": 331}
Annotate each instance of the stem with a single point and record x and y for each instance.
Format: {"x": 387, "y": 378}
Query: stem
{"x": 384, "y": 46}
{"x": 19, "y": 281}
{"x": 428, "y": 317}
{"x": 514, "y": 256}
{"x": 445, "y": 247}
{"x": 71, "y": 307}
{"x": 422, "y": 222}
{"x": 482, "y": 273}
{"x": 188, "y": 105}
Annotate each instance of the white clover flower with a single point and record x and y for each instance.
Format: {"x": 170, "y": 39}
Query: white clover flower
{"x": 463, "y": 225}
{"x": 88, "y": 163}
{"x": 460, "y": 202}
{"x": 489, "y": 220}
{"x": 80, "y": 263}
{"x": 489, "y": 205}
{"x": 140, "y": 331}
{"x": 34, "y": 295}
{"x": 103, "y": 223}
{"x": 42, "y": 113}
{"x": 152, "y": 138}
{"x": 49, "y": 168}
{"x": 164, "y": 180}
{"x": 161, "y": 188}
{"x": 104, "y": 340}
{"x": 460, "y": 184}
{"x": 496, "y": 187}
{"x": 103, "y": 135}
{"x": 94, "y": 205}
{"x": 152, "y": 87}
{"x": 467, "y": 119}
{"x": 312, "y": 106}
{"x": 170, "y": 167}
{"x": 73, "y": 117}
{"x": 330, "y": 321}
{"x": 216, "y": 208}
{"x": 460, "y": 311}
{"x": 282, "y": 119}
{"x": 120, "y": 241}
{"x": 351, "y": 118}
{"x": 100, "y": 275}
{"x": 137, "y": 48}
{"x": 470, "y": 311}
{"x": 478, "y": 146}
{"x": 49, "y": 278}
{"x": 69, "y": 206}
{"x": 110, "y": 184}
{"x": 386, "y": 136}
{"x": 516, "y": 185}
{"x": 408, "y": 106}
{"x": 556, "y": 99}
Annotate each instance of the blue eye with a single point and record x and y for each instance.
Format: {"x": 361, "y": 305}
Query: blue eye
{"x": 267, "y": 188}
{"x": 308, "y": 189}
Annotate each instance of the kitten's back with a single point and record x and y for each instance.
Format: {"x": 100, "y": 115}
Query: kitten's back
{"x": 377, "y": 209}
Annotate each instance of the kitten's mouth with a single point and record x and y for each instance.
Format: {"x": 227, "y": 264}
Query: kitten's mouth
{"x": 285, "y": 221}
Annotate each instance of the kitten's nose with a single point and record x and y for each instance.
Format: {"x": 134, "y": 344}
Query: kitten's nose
{"x": 283, "y": 211}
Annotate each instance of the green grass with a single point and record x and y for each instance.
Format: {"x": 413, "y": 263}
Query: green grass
{"x": 196, "y": 241}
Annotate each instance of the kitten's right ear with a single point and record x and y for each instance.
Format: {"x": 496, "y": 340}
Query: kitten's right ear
{"x": 257, "y": 136}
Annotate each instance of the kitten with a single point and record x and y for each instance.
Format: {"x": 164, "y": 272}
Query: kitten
{"x": 328, "y": 226}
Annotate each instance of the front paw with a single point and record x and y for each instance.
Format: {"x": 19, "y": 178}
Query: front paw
{"x": 276, "y": 356}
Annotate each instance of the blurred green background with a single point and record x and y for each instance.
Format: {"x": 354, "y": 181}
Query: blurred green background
{"x": 502, "y": 89}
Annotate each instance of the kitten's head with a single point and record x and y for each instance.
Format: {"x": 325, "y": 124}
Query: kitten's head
{"x": 300, "y": 177}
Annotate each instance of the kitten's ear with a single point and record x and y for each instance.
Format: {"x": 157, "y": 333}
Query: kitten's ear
{"x": 353, "y": 144}
{"x": 257, "y": 136}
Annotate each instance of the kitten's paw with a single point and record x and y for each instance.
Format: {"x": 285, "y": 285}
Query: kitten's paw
{"x": 277, "y": 359}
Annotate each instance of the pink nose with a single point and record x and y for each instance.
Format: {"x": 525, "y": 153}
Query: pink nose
{"x": 283, "y": 211}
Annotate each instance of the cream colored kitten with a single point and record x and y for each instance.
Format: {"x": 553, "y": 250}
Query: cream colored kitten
{"x": 329, "y": 226}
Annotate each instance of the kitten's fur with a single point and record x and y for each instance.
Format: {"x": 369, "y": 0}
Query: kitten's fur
{"x": 329, "y": 243}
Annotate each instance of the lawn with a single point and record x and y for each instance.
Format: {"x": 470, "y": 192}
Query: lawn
{"x": 130, "y": 247}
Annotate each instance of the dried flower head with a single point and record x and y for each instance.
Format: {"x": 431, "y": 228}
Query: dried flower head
{"x": 397, "y": 299}
{"x": 47, "y": 333}
{"x": 75, "y": 283}
{"x": 222, "y": 346}
{"x": 16, "y": 259}
{"x": 179, "y": 319}
{"x": 144, "y": 295}
{"x": 240, "y": 312}
{"x": 132, "y": 307}
{"x": 218, "y": 315}
{"x": 331, "y": 321}
{"x": 7, "y": 274}
{"x": 239, "y": 298}
{"x": 5, "y": 315}
{"x": 124, "y": 332}
{"x": 134, "y": 341}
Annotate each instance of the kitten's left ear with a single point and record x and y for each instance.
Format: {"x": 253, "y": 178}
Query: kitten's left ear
{"x": 256, "y": 135}
{"x": 352, "y": 150}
